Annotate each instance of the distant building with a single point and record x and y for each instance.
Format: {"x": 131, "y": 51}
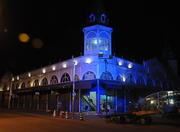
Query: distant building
{"x": 101, "y": 81}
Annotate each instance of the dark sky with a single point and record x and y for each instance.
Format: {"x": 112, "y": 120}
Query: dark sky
{"x": 140, "y": 30}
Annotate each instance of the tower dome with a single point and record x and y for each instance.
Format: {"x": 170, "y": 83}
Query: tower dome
{"x": 98, "y": 15}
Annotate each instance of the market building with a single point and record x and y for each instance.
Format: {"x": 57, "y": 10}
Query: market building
{"x": 93, "y": 82}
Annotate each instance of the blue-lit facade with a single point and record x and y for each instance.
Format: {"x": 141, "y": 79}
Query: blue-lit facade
{"x": 101, "y": 81}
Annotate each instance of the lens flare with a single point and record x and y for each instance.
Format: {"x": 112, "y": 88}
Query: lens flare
{"x": 23, "y": 37}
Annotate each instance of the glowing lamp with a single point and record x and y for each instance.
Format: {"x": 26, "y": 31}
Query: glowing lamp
{"x": 95, "y": 41}
{"x": 13, "y": 79}
{"x": 152, "y": 102}
{"x": 130, "y": 65}
{"x": 31, "y": 84}
{"x": 17, "y": 77}
{"x": 120, "y": 63}
{"x": 53, "y": 68}
{"x": 88, "y": 60}
{"x": 43, "y": 70}
{"x": 123, "y": 79}
{"x": 64, "y": 65}
{"x": 29, "y": 74}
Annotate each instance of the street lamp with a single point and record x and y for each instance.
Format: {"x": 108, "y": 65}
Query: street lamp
{"x": 73, "y": 92}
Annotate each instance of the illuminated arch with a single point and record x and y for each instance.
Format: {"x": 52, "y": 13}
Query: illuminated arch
{"x": 90, "y": 38}
{"x": 44, "y": 82}
{"x": 89, "y": 76}
{"x": 36, "y": 83}
{"x": 118, "y": 78}
{"x": 23, "y": 85}
{"x": 91, "y": 35}
{"x": 65, "y": 77}
{"x": 54, "y": 80}
{"x": 104, "y": 34}
{"x": 106, "y": 76}
{"x": 104, "y": 41}
{"x": 29, "y": 84}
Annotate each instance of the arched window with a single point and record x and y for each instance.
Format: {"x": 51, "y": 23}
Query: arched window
{"x": 118, "y": 78}
{"x": 91, "y": 41}
{"x": 54, "y": 80}
{"x": 76, "y": 78}
{"x": 65, "y": 78}
{"x": 44, "y": 82}
{"x": 106, "y": 76}
{"x": 36, "y": 83}
{"x": 92, "y": 18}
{"x": 104, "y": 41}
{"x": 103, "y": 18}
{"x": 23, "y": 85}
{"x": 89, "y": 76}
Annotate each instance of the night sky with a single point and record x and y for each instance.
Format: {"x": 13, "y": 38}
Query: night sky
{"x": 141, "y": 29}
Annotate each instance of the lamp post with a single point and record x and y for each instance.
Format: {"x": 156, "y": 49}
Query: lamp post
{"x": 73, "y": 92}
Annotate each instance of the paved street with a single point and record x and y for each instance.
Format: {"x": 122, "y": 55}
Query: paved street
{"x": 26, "y": 122}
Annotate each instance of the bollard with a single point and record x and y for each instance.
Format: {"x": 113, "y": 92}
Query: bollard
{"x": 81, "y": 117}
{"x": 54, "y": 113}
{"x": 61, "y": 114}
{"x": 66, "y": 115}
